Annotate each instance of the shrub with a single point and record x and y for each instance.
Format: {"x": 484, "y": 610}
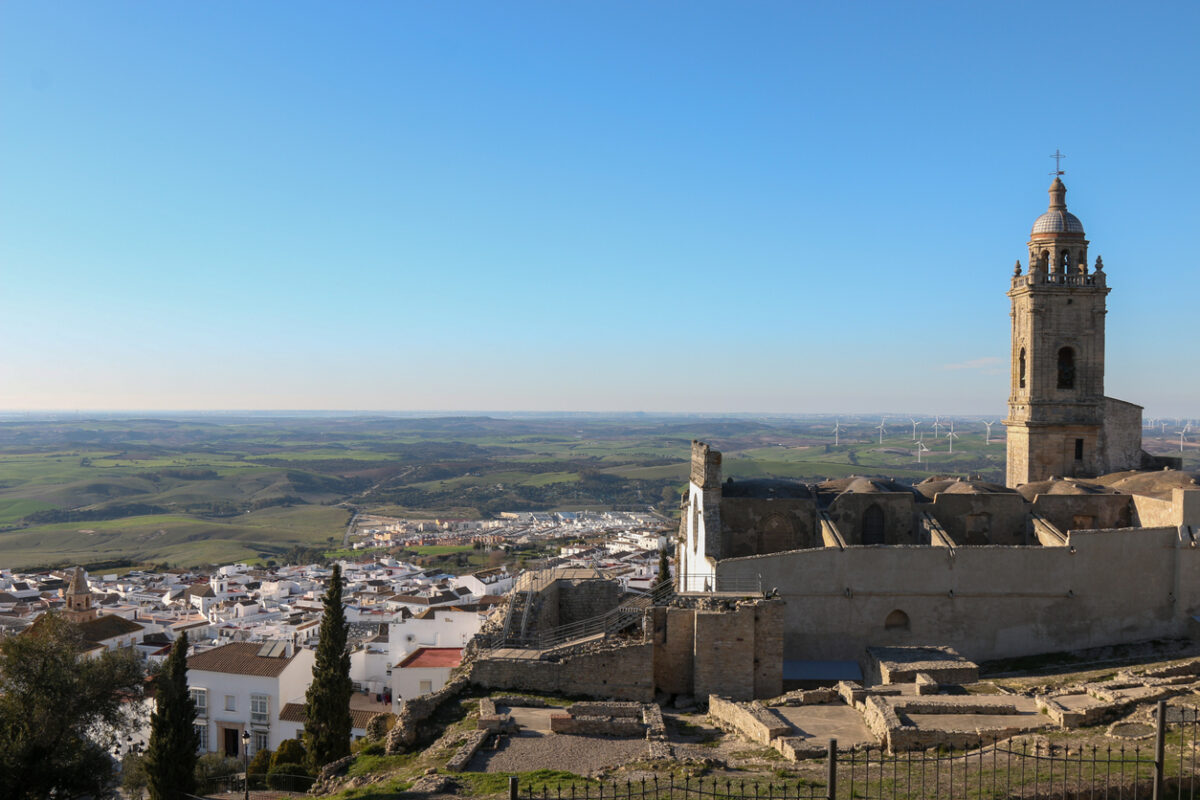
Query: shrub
{"x": 289, "y": 777}
{"x": 261, "y": 763}
{"x": 290, "y": 751}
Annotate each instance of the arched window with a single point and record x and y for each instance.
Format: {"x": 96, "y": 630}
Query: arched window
{"x": 1066, "y": 368}
{"x": 1021, "y": 369}
{"x": 1044, "y": 259}
{"x": 896, "y": 621}
{"x": 1065, "y": 261}
{"x": 872, "y": 525}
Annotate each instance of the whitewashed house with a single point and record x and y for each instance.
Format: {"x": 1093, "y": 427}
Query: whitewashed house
{"x": 244, "y": 686}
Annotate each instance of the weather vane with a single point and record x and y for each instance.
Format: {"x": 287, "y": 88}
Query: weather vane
{"x": 1058, "y": 157}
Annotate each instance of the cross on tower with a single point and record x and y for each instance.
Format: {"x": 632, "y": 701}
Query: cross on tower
{"x": 1058, "y": 157}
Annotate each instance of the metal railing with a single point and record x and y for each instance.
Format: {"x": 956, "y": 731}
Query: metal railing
{"x": 269, "y": 786}
{"x": 708, "y": 583}
{"x": 1163, "y": 767}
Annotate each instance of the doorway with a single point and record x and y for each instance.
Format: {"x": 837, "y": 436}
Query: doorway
{"x": 231, "y": 742}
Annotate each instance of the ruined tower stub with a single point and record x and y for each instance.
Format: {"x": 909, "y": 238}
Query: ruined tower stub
{"x": 700, "y": 545}
{"x": 1056, "y": 403}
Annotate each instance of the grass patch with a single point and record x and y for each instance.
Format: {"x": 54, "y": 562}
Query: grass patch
{"x": 371, "y": 765}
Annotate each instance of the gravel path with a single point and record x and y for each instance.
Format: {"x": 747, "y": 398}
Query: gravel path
{"x": 583, "y": 755}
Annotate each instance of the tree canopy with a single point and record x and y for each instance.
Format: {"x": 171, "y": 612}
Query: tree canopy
{"x": 327, "y": 702}
{"x": 61, "y": 712}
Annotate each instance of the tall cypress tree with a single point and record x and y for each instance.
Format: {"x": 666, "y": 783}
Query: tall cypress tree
{"x": 327, "y": 702}
{"x": 664, "y": 567}
{"x": 172, "y": 751}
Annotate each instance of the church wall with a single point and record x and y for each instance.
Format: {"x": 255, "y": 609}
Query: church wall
{"x": 987, "y": 602}
{"x": 982, "y": 518}
{"x": 1122, "y": 435}
{"x": 1069, "y": 512}
{"x": 847, "y": 512}
{"x": 753, "y": 526}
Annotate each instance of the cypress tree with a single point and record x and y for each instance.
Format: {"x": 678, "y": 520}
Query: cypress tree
{"x": 172, "y": 751}
{"x": 327, "y": 702}
{"x": 664, "y": 567}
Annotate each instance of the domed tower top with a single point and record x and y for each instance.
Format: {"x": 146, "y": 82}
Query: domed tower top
{"x": 1057, "y": 220}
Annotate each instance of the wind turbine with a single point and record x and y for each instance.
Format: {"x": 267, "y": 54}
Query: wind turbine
{"x": 837, "y": 428}
{"x": 915, "y": 424}
{"x": 1186, "y": 430}
{"x": 882, "y": 428}
{"x": 951, "y": 436}
{"x": 937, "y": 423}
{"x": 921, "y": 448}
{"x": 987, "y": 439}
{"x": 1164, "y": 428}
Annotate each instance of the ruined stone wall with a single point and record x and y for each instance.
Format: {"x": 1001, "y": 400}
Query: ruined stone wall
{"x": 625, "y": 673}
{"x": 987, "y": 602}
{"x": 768, "y": 647}
{"x": 847, "y": 511}
{"x": 674, "y": 644}
{"x": 973, "y": 519}
{"x": 753, "y": 526}
{"x": 1074, "y": 512}
{"x": 1182, "y": 509}
{"x": 724, "y": 656}
{"x": 753, "y": 722}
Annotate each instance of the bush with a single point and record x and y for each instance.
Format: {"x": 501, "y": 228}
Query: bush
{"x": 214, "y": 766}
{"x": 287, "y": 777}
{"x": 290, "y": 751}
{"x": 261, "y": 763}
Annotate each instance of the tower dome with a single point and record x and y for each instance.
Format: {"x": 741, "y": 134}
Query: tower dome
{"x": 1057, "y": 219}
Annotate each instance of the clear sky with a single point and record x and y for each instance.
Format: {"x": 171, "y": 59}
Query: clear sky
{"x": 660, "y": 206}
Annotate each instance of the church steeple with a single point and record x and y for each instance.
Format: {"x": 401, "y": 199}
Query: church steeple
{"x": 79, "y": 598}
{"x": 1056, "y": 406}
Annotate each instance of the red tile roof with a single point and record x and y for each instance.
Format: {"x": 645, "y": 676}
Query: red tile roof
{"x": 239, "y": 658}
{"x": 294, "y": 712}
{"x": 432, "y": 657}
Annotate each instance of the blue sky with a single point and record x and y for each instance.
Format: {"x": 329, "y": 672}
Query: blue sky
{"x": 776, "y": 207}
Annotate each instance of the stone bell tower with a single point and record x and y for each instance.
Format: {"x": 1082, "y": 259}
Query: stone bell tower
{"x": 1056, "y": 404}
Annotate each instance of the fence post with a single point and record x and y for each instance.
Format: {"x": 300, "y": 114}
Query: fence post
{"x": 1160, "y": 736}
{"x": 512, "y": 787}
{"x": 831, "y": 771}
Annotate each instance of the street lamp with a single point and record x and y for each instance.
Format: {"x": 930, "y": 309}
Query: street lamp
{"x": 246, "y": 761}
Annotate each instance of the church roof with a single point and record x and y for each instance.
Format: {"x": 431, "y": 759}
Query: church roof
{"x": 1058, "y": 485}
{"x": 952, "y": 485}
{"x": 108, "y": 626}
{"x": 765, "y": 489}
{"x": 1057, "y": 219}
{"x": 1158, "y": 483}
{"x": 79, "y": 583}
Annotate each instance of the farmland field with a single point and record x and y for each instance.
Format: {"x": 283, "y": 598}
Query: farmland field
{"x": 214, "y": 488}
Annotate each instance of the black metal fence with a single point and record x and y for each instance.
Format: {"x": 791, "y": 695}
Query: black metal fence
{"x": 261, "y": 787}
{"x": 1164, "y": 767}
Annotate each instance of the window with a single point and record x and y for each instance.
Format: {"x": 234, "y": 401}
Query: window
{"x": 1066, "y": 368}
{"x": 202, "y": 734}
{"x": 230, "y": 703}
{"x": 426, "y": 687}
{"x": 200, "y": 698}
{"x": 259, "y": 708}
{"x": 261, "y": 742}
{"x": 1079, "y": 449}
{"x": 1021, "y": 369}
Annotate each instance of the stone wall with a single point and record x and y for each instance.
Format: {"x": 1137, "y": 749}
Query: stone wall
{"x": 986, "y": 602}
{"x": 1073, "y": 512}
{"x": 847, "y": 510}
{"x": 596, "y": 725}
{"x": 626, "y": 673}
{"x": 974, "y": 519}
{"x": 754, "y": 722}
{"x": 674, "y": 643}
{"x": 752, "y": 526}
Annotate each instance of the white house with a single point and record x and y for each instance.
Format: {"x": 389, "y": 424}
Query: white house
{"x": 244, "y": 686}
{"x": 422, "y": 671}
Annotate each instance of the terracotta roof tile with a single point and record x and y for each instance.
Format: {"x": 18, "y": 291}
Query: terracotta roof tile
{"x": 239, "y": 658}
{"x": 432, "y": 657}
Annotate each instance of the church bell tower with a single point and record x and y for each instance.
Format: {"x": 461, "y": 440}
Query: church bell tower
{"x": 1056, "y": 403}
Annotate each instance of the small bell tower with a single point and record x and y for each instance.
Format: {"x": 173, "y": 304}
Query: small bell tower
{"x": 79, "y": 599}
{"x": 1056, "y": 404}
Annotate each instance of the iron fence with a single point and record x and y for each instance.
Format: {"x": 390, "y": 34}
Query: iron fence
{"x": 261, "y": 787}
{"x": 1164, "y": 767}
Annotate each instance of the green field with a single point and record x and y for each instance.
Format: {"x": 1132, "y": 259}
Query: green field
{"x": 190, "y": 491}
